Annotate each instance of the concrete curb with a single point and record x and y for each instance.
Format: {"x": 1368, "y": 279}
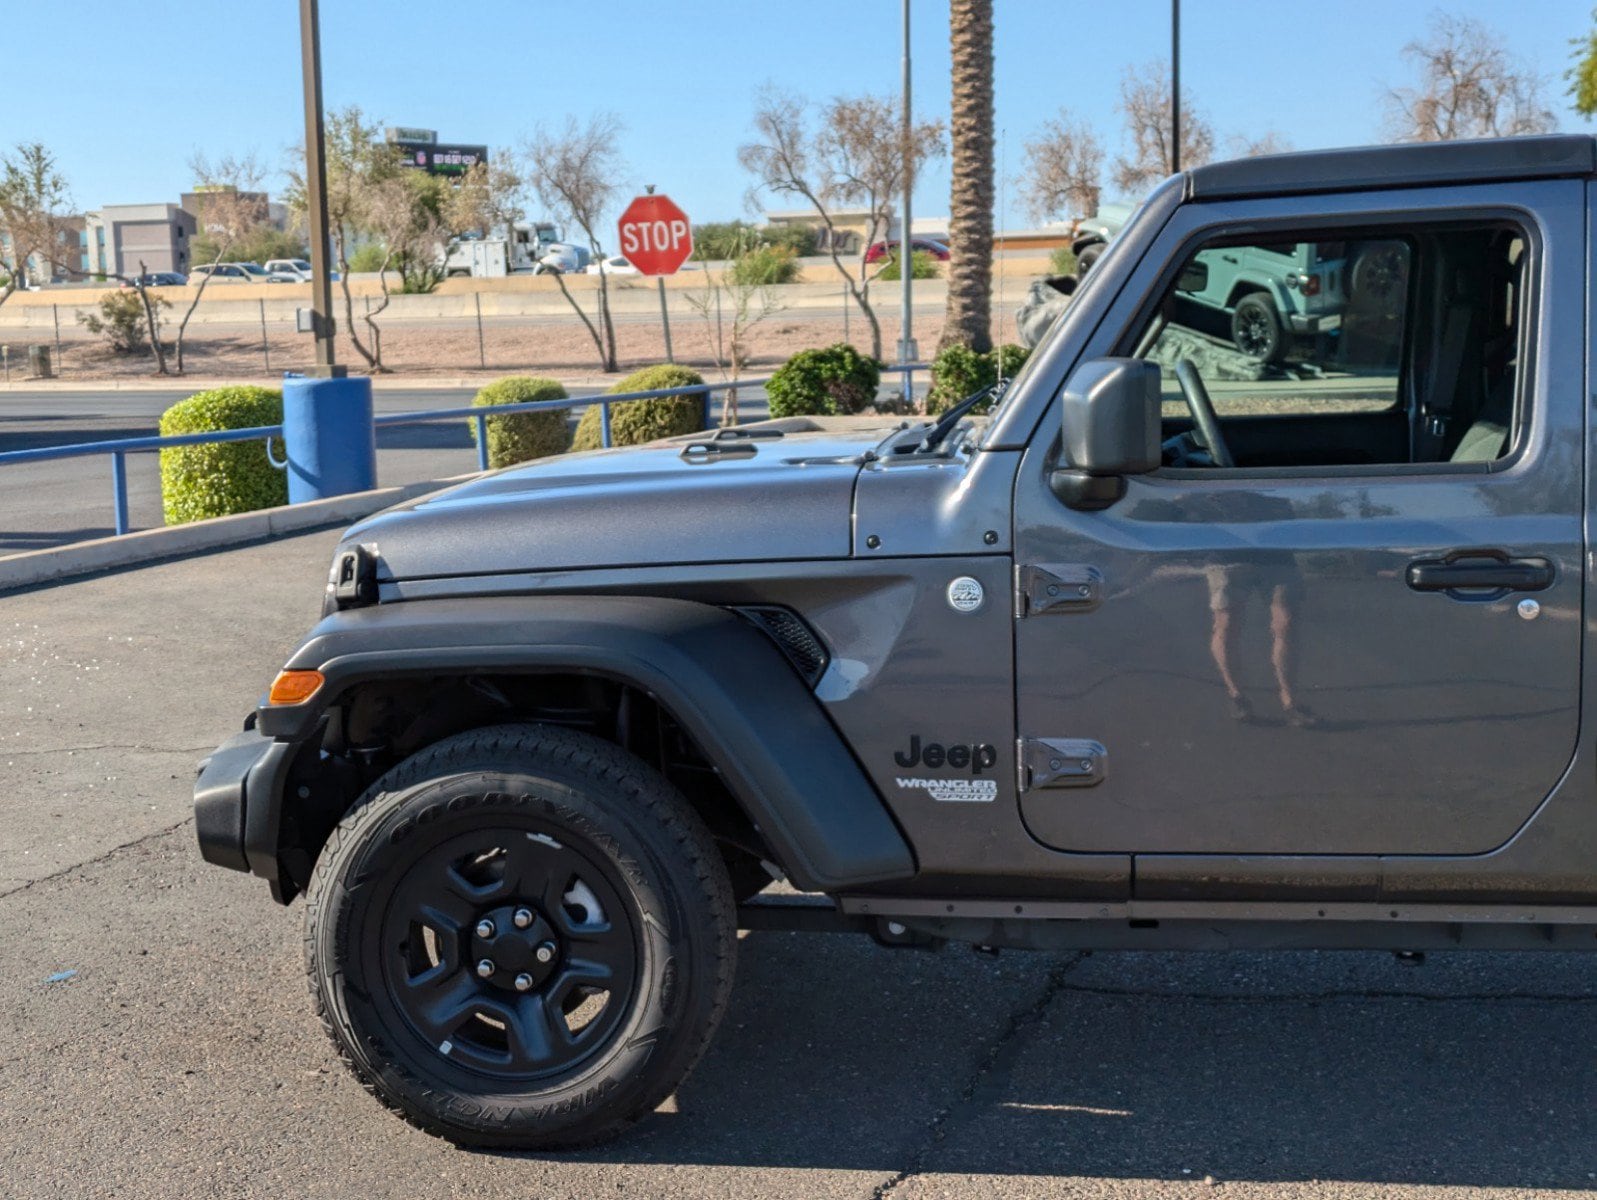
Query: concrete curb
{"x": 220, "y": 533}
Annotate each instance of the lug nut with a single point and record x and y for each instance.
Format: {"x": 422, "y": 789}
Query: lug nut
{"x": 545, "y": 952}
{"x": 523, "y": 918}
{"x": 485, "y": 929}
{"x": 523, "y": 982}
{"x": 486, "y": 968}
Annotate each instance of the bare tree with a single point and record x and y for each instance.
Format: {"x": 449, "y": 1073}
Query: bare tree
{"x": 854, "y": 156}
{"x": 1268, "y": 142}
{"x": 1064, "y": 170}
{"x": 731, "y": 307}
{"x": 1145, "y": 106}
{"x": 1468, "y": 86}
{"x": 403, "y": 212}
{"x": 34, "y": 203}
{"x": 231, "y": 208}
{"x": 489, "y": 198}
{"x": 358, "y": 162}
{"x": 576, "y": 172}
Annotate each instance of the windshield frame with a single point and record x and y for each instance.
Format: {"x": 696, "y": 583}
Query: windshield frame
{"x": 1026, "y": 400}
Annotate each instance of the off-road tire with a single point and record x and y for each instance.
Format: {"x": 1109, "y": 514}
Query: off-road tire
{"x": 546, "y": 783}
{"x": 1256, "y": 328}
{"x": 1090, "y": 254}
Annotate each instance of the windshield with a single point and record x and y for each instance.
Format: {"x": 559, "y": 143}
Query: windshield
{"x": 253, "y": 268}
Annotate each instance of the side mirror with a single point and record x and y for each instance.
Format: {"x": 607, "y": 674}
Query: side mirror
{"x": 1194, "y": 276}
{"x": 1110, "y": 418}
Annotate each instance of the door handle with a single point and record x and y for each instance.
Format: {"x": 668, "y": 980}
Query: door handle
{"x": 1475, "y": 570}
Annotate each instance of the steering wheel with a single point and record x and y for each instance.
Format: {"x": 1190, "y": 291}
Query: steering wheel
{"x": 1202, "y": 409}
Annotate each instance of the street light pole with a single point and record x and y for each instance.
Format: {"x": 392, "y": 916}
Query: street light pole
{"x": 310, "y": 39}
{"x": 906, "y": 254}
{"x": 1175, "y": 86}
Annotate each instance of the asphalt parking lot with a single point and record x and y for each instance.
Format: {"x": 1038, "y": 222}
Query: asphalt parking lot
{"x": 180, "y": 1059}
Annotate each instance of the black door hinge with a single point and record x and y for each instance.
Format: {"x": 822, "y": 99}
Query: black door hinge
{"x": 1057, "y": 588}
{"x": 1062, "y": 762}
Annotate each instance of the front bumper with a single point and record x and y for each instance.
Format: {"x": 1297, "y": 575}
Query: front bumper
{"x": 241, "y": 778}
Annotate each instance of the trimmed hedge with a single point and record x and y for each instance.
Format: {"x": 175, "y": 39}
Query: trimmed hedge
{"x": 958, "y": 371}
{"x": 828, "y": 382}
{"x": 521, "y": 437}
{"x": 633, "y": 422}
{"x": 226, "y": 477}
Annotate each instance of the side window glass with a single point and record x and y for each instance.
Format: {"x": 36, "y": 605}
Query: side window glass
{"x": 1393, "y": 348}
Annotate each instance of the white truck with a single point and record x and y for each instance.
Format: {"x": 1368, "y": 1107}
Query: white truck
{"x": 496, "y": 255}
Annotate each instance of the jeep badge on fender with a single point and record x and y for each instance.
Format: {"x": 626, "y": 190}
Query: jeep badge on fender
{"x": 933, "y": 755}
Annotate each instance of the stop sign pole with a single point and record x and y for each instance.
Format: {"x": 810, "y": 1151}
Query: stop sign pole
{"x": 657, "y": 238}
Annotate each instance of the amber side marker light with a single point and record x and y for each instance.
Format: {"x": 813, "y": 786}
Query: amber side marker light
{"x": 294, "y": 687}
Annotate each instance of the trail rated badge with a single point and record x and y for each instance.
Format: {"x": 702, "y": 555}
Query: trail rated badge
{"x": 965, "y": 594}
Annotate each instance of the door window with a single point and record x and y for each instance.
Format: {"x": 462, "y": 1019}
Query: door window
{"x": 1391, "y": 347}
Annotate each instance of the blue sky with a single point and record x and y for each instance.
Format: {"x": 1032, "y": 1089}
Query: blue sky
{"x": 145, "y": 85}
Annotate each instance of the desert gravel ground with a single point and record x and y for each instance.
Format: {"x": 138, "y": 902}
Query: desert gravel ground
{"x": 181, "y": 1059}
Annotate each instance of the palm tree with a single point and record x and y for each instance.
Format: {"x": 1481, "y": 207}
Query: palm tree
{"x": 970, "y": 221}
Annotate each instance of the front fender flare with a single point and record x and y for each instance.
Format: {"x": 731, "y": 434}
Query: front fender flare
{"x": 720, "y": 677}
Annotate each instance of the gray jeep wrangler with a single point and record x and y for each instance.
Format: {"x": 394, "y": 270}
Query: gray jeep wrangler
{"x": 1163, "y": 653}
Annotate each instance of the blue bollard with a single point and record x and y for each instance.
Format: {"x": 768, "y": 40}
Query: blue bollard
{"x": 328, "y": 436}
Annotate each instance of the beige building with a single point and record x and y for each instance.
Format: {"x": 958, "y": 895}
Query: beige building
{"x": 121, "y": 237}
{"x": 852, "y": 227}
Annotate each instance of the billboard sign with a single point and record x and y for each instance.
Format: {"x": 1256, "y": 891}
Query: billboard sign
{"x": 441, "y": 158}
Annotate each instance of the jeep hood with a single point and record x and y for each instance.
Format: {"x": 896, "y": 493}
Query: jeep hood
{"x": 768, "y": 500}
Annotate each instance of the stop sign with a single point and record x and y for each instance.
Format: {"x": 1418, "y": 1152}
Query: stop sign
{"x": 655, "y": 235}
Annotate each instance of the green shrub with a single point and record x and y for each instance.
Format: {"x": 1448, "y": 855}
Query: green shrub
{"x": 958, "y": 371}
{"x": 1010, "y": 358}
{"x": 718, "y": 240}
{"x": 633, "y": 422}
{"x": 122, "y": 322}
{"x": 225, "y": 477}
{"x": 368, "y": 258}
{"x": 1062, "y": 261}
{"x": 764, "y": 265}
{"x": 723, "y": 239}
{"x": 838, "y": 379}
{"x": 802, "y": 240}
{"x": 521, "y": 437}
{"x": 921, "y": 265}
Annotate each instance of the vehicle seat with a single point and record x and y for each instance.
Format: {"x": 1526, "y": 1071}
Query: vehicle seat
{"x": 1487, "y": 438}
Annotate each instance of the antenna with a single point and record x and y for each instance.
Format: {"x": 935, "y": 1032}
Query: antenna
{"x": 1003, "y": 221}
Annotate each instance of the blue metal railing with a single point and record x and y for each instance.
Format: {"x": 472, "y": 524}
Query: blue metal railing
{"x": 120, "y": 448}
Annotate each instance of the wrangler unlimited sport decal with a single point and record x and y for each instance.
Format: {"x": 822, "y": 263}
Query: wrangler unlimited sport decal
{"x": 974, "y": 758}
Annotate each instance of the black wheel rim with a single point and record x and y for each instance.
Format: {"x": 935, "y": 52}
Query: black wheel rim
{"x": 1253, "y": 333}
{"x": 545, "y": 913}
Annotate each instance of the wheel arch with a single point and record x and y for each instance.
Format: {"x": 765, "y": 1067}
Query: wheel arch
{"x": 768, "y": 748}
{"x": 1250, "y": 286}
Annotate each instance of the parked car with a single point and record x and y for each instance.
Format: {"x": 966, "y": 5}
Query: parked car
{"x": 157, "y": 279}
{"x": 880, "y": 250}
{"x": 1148, "y": 657}
{"x": 230, "y": 272}
{"x": 288, "y": 270}
{"x": 1271, "y": 298}
{"x": 615, "y": 264}
{"x": 1095, "y": 233}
